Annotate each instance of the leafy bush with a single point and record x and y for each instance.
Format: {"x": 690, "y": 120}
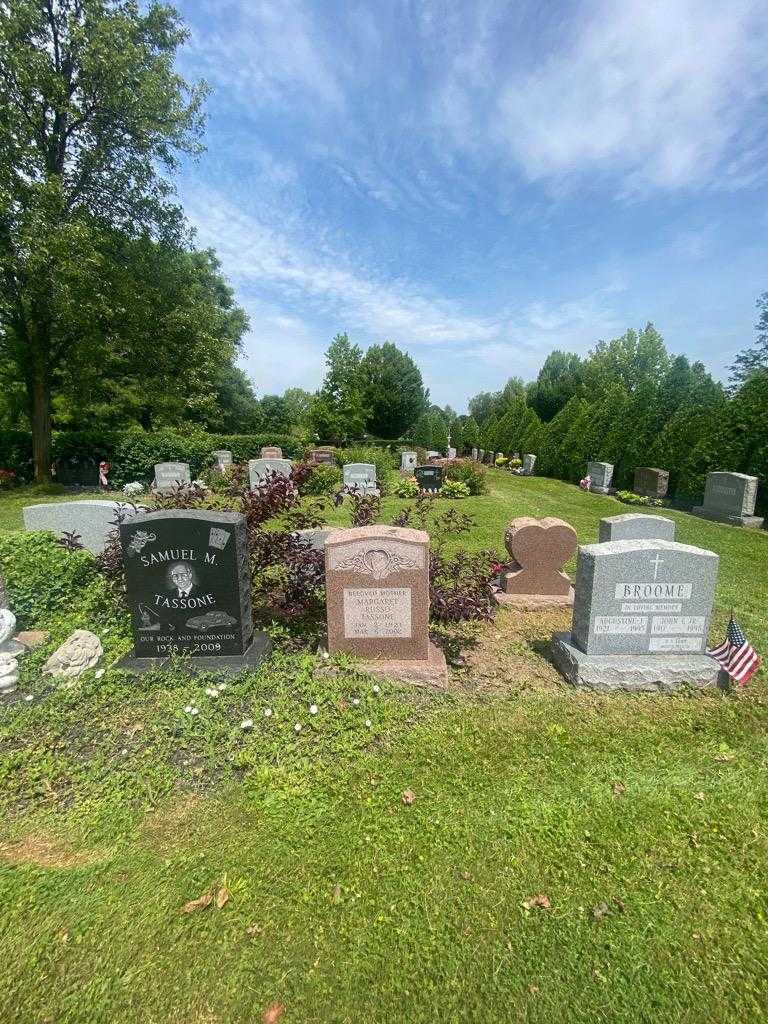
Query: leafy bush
{"x": 470, "y": 473}
{"x": 16, "y": 452}
{"x": 406, "y": 487}
{"x": 321, "y": 479}
{"x": 630, "y": 498}
{"x": 515, "y": 463}
{"x": 378, "y": 457}
{"x": 501, "y": 460}
{"x": 45, "y": 581}
{"x": 454, "y": 489}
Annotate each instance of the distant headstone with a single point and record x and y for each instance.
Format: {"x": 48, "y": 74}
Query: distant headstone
{"x": 315, "y": 536}
{"x": 170, "y": 475}
{"x": 259, "y": 469}
{"x": 361, "y": 475}
{"x": 474, "y": 454}
{"x": 223, "y": 458}
{"x": 429, "y": 478}
{"x": 93, "y": 521}
{"x": 651, "y": 483}
{"x": 434, "y": 455}
{"x": 640, "y": 618}
{"x": 538, "y": 548}
{"x": 408, "y": 461}
{"x": 271, "y": 451}
{"x": 600, "y": 474}
{"x": 730, "y": 498}
{"x": 451, "y": 453}
{"x": 322, "y": 456}
{"x": 377, "y": 585}
{"x": 481, "y": 454}
{"x": 529, "y": 461}
{"x": 77, "y": 471}
{"x": 636, "y": 526}
{"x": 189, "y": 591}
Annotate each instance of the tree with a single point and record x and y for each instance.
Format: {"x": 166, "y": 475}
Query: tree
{"x": 91, "y": 111}
{"x": 422, "y": 431}
{"x": 559, "y": 379}
{"x": 274, "y": 414}
{"x": 439, "y": 433}
{"x": 337, "y": 412}
{"x": 755, "y": 359}
{"x": 298, "y": 403}
{"x": 393, "y": 391}
{"x": 470, "y": 433}
{"x": 631, "y": 360}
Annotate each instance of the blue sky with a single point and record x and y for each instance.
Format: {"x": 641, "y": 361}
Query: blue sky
{"x": 481, "y": 182}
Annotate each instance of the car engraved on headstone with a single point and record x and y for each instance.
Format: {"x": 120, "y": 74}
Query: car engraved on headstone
{"x": 651, "y": 482}
{"x": 636, "y": 526}
{"x": 429, "y": 478}
{"x": 189, "y": 590}
{"x": 601, "y": 474}
{"x": 361, "y": 475}
{"x": 171, "y": 475}
{"x": 259, "y": 469}
{"x": 377, "y": 584}
{"x": 640, "y": 618}
{"x": 92, "y": 521}
{"x": 730, "y": 498}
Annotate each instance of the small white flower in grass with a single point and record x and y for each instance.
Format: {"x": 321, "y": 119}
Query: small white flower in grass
{"x": 376, "y": 688}
{"x": 99, "y": 673}
{"x": 189, "y": 709}
{"x": 297, "y": 727}
{"x": 326, "y": 655}
{"x": 210, "y": 692}
{"x": 195, "y": 711}
{"x": 247, "y": 723}
{"x": 313, "y": 709}
{"x": 368, "y": 723}
{"x": 355, "y": 701}
{"x": 222, "y": 686}
{"x": 29, "y": 696}
{"x": 267, "y": 712}
{"x": 124, "y": 750}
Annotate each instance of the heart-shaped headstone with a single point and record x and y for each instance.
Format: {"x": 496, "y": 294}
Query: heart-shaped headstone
{"x": 540, "y": 548}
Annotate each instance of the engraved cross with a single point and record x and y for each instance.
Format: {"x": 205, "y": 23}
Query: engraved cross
{"x": 656, "y": 562}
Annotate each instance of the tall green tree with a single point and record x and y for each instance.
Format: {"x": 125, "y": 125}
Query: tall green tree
{"x": 337, "y": 412}
{"x": 422, "y": 431}
{"x": 470, "y": 433}
{"x": 393, "y": 392}
{"x": 754, "y": 359}
{"x": 439, "y": 433}
{"x": 559, "y": 379}
{"x": 92, "y": 112}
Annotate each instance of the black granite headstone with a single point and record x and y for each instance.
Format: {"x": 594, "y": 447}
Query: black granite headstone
{"x": 189, "y": 590}
{"x": 429, "y": 478}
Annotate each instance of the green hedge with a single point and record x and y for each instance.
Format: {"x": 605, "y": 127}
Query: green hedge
{"x": 132, "y": 454}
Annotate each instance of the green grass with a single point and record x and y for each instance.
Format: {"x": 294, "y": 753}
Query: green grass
{"x": 119, "y": 808}
{"x": 13, "y": 500}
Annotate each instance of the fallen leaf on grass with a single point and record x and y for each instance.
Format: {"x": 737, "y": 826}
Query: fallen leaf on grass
{"x": 540, "y": 902}
{"x": 408, "y": 796}
{"x": 725, "y": 757}
{"x": 336, "y": 894}
{"x": 273, "y": 1013}
{"x": 600, "y": 911}
{"x": 254, "y": 929}
{"x": 222, "y": 897}
{"x": 199, "y": 904}
{"x": 533, "y": 989}
{"x": 619, "y": 789}
{"x": 698, "y": 796}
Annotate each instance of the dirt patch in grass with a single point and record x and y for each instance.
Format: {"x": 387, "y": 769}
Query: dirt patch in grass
{"x": 163, "y": 826}
{"x": 44, "y": 851}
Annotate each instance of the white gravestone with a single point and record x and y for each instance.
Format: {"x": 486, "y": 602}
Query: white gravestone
{"x": 259, "y": 469}
{"x": 361, "y": 475}
{"x": 408, "y": 461}
{"x": 170, "y": 475}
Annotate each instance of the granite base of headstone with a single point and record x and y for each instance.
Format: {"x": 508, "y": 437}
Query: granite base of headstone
{"x": 601, "y": 474}
{"x": 92, "y": 521}
{"x": 169, "y": 476}
{"x": 188, "y": 587}
{"x": 377, "y": 587}
{"x": 730, "y": 498}
{"x": 636, "y": 526}
{"x": 650, "y": 482}
{"x": 640, "y": 619}
{"x": 539, "y": 548}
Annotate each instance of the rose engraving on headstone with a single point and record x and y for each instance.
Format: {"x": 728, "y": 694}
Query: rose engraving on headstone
{"x": 189, "y": 590}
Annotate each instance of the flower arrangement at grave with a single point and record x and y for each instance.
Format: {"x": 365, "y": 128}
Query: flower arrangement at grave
{"x": 7, "y": 477}
{"x": 630, "y": 498}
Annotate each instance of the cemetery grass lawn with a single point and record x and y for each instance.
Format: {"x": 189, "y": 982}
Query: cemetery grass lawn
{"x": 640, "y": 822}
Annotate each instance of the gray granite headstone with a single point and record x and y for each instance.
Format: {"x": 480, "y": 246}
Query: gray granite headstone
{"x": 730, "y": 498}
{"x": 93, "y": 521}
{"x": 315, "y": 536}
{"x": 408, "y": 461}
{"x": 636, "y": 526}
{"x": 474, "y": 454}
{"x": 170, "y": 475}
{"x": 529, "y": 461}
{"x": 361, "y": 475}
{"x": 223, "y": 458}
{"x": 481, "y": 454}
{"x": 451, "y": 453}
{"x": 259, "y": 469}
{"x": 601, "y": 474}
{"x": 651, "y": 482}
{"x": 640, "y": 617}
{"x": 188, "y": 587}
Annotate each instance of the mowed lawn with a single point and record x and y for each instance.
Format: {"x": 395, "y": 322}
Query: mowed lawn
{"x": 639, "y": 822}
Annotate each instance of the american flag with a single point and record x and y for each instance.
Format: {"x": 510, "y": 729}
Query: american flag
{"x": 736, "y": 654}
